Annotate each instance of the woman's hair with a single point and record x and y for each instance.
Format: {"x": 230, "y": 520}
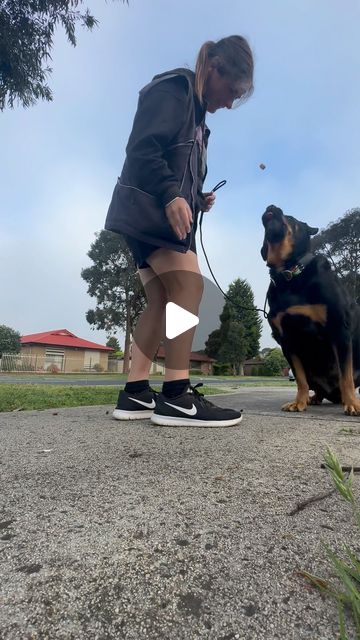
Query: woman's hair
{"x": 235, "y": 61}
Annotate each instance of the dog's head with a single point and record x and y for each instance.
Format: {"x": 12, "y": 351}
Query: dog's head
{"x": 286, "y": 239}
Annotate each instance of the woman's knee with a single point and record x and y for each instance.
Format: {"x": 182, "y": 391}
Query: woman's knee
{"x": 184, "y": 289}
{"x": 156, "y": 295}
{"x": 154, "y": 289}
{"x": 180, "y": 276}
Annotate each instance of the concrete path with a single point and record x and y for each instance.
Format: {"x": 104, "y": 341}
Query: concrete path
{"x": 126, "y": 530}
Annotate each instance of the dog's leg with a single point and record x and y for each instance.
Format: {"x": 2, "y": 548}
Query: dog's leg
{"x": 302, "y": 397}
{"x": 343, "y": 353}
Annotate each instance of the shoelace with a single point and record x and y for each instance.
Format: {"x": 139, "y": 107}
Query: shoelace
{"x": 200, "y": 396}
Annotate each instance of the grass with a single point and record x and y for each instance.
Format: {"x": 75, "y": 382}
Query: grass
{"x": 347, "y": 570}
{"x": 239, "y": 381}
{"x": 46, "y": 396}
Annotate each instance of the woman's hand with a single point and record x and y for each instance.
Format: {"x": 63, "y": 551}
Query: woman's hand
{"x": 209, "y": 199}
{"x": 180, "y": 217}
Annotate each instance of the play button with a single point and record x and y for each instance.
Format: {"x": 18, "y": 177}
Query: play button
{"x": 178, "y": 320}
{"x": 181, "y": 317}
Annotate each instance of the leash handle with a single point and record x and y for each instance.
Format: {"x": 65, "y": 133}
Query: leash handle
{"x": 220, "y": 184}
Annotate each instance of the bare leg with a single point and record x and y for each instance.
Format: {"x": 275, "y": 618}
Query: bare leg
{"x": 150, "y": 326}
{"x": 180, "y": 276}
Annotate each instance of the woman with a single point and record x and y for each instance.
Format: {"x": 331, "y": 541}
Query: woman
{"x": 155, "y": 206}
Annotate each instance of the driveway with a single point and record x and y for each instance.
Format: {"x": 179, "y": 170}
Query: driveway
{"x": 127, "y": 530}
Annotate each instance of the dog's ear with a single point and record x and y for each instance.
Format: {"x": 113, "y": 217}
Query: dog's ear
{"x": 312, "y": 230}
{"x": 264, "y": 250}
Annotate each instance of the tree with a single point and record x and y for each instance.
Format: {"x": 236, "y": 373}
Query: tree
{"x": 233, "y": 348}
{"x": 27, "y": 29}
{"x": 113, "y": 281}
{"x": 113, "y": 342}
{"x": 340, "y": 243}
{"x": 240, "y": 316}
{"x": 9, "y": 340}
{"x": 275, "y": 362}
{"x": 213, "y": 344}
{"x": 264, "y": 352}
{"x": 244, "y": 312}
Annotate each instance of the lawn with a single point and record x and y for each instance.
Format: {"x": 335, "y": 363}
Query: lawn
{"x": 46, "y": 396}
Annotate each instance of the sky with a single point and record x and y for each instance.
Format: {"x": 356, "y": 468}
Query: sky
{"x": 60, "y": 160}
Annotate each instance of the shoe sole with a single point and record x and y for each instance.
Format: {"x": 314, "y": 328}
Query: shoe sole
{"x": 170, "y": 421}
{"x": 119, "y": 414}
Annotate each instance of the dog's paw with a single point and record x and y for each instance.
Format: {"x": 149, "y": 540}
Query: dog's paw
{"x": 352, "y": 409}
{"x": 296, "y": 405}
{"x": 315, "y": 399}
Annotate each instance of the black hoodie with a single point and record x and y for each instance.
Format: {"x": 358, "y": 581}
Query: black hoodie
{"x": 162, "y": 159}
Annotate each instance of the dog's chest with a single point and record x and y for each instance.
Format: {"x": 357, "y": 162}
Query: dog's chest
{"x": 296, "y": 312}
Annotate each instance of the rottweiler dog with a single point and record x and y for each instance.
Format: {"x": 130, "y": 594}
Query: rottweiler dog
{"x": 311, "y": 316}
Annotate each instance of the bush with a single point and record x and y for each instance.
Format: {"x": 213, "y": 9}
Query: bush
{"x": 222, "y": 369}
{"x": 97, "y": 367}
{"x": 196, "y": 372}
{"x": 53, "y": 368}
{"x": 274, "y": 363}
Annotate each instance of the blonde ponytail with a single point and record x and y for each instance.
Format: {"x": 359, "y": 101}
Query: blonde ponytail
{"x": 201, "y": 68}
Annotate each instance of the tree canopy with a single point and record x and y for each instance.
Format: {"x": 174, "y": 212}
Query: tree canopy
{"x": 113, "y": 342}
{"x": 9, "y": 340}
{"x": 239, "y": 333}
{"x": 275, "y": 362}
{"x": 340, "y": 243}
{"x": 114, "y": 282}
{"x": 27, "y": 29}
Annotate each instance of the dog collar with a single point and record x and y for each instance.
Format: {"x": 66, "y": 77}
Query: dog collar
{"x": 289, "y": 274}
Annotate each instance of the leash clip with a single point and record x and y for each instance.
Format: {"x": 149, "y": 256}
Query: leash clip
{"x": 288, "y": 275}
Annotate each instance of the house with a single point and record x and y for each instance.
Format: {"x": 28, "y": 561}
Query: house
{"x": 62, "y": 351}
{"x": 198, "y": 360}
{"x": 252, "y": 366}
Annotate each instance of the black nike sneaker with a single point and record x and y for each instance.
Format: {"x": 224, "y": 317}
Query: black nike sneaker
{"x": 135, "y": 406}
{"x": 192, "y": 409}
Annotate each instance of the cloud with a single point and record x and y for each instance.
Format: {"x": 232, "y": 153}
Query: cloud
{"x": 61, "y": 159}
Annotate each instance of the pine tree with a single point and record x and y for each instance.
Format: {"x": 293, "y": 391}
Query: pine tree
{"x": 244, "y": 312}
{"x": 239, "y": 323}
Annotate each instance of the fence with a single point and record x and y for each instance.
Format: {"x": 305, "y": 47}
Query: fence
{"x": 27, "y": 363}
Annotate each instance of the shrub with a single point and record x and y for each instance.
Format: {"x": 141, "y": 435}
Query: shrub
{"x": 274, "y": 362}
{"x": 222, "y": 369}
{"x": 53, "y": 368}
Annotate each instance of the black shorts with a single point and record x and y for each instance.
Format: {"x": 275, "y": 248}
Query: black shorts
{"x": 141, "y": 250}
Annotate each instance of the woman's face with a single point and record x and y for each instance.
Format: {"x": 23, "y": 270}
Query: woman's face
{"x": 220, "y": 91}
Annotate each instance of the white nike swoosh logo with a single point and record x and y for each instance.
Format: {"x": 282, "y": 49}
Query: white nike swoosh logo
{"x": 148, "y": 405}
{"x": 189, "y": 412}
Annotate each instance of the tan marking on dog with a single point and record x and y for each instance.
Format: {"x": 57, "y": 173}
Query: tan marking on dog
{"x": 316, "y": 312}
{"x": 349, "y": 400}
{"x": 280, "y": 251}
{"x": 302, "y": 397}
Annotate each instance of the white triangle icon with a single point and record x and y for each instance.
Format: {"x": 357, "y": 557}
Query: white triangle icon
{"x": 178, "y": 320}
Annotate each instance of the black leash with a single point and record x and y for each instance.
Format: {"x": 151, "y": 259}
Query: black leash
{"x": 235, "y": 304}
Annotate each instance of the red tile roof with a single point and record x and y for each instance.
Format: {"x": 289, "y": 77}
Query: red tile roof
{"x": 63, "y": 338}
